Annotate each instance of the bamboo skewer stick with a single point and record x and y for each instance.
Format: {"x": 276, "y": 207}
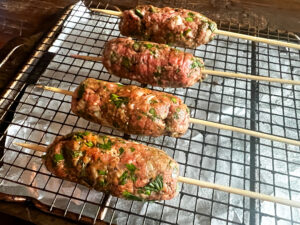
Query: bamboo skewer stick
{"x": 215, "y": 73}
{"x": 245, "y": 131}
{"x": 207, "y": 123}
{"x": 222, "y": 32}
{"x": 250, "y": 194}
{"x": 258, "y": 39}
{"x": 33, "y": 147}
{"x": 204, "y": 184}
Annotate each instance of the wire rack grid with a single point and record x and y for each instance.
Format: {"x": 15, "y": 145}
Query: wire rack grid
{"x": 204, "y": 153}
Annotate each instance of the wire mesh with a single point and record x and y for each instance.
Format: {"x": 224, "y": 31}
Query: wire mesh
{"x": 219, "y": 156}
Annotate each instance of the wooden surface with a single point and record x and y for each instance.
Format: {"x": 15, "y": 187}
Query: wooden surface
{"x": 277, "y": 14}
{"x": 26, "y": 17}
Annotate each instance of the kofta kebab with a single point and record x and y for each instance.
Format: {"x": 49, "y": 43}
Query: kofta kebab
{"x": 124, "y": 169}
{"x": 178, "y": 27}
{"x": 160, "y": 65}
{"x": 141, "y": 111}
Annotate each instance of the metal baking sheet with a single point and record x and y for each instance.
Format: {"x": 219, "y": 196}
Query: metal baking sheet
{"x": 204, "y": 153}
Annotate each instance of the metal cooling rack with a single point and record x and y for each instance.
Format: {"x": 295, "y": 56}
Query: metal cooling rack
{"x": 32, "y": 115}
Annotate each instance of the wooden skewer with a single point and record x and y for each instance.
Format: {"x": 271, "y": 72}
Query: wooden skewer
{"x": 204, "y": 184}
{"x": 222, "y": 32}
{"x": 215, "y": 73}
{"x": 250, "y": 194}
{"x": 245, "y": 131}
{"x": 206, "y": 123}
{"x": 33, "y": 147}
{"x": 258, "y": 39}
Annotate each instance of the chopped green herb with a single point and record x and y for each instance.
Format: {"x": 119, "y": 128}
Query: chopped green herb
{"x": 138, "y": 13}
{"x": 212, "y": 26}
{"x": 121, "y": 150}
{"x": 196, "y": 63}
{"x": 148, "y": 46}
{"x": 155, "y": 185}
{"x": 89, "y": 144}
{"x": 153, "y": 101}
{"x": 174, "y": 100}
{"x": 106, "y": 145}
{"x": 58, "y": 157}
{"x": 133, "y": 177}
{"x": 76, "y": 154}
{"x": 189, "y": 19}
{"x": 152, "y": 9}
{"x": 153, "y": 112}
{"x": 79, "y": 135}
{"x": 103, "y": 183}
{"x": 176, "y": 116}
{"x": 139, "y": 117}
{"x": 118, "y": 100}
{"x": 136, "y": 46}
{"x": 102, "y": 172}
{"x": 131, "y": 167}
{"x": 177, "y": 70}
{"x": 113, "y": 57}
{"x": 80, "y": 91}
{"x": 126, "y": 62}
{"x": 156, "y": 74}
{"x": 119, "y": 85}
{"x": 186, "y": 32}
{"x": 191, "y": 14}
{"x": 130, "y": 196}
{"x": 123, "y": 178}
{"x": 132, "y": 149}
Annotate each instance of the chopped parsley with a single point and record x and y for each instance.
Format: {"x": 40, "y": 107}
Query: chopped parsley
{"x": 139, "y": 117}
{"x": 80, "y": 91}
{"x": 153, "y": 112}
{"x": 196, "y": 63}
{"x": 131, "y": 167}
{"x": 58, "y": 157}
{"x": 156, "y": 74}
{"x": 79, "y": 135}
{"x": 76, "y": 154}
{"x": 148, "y": 45}
{"x": 153, "y": 101}
{"x": 106, "y": 145}
{"x": 173, "y": 99}
{"x": 102, "y": 172}
{"x": 176, "y": 116}
{"x": 136, "y": 46}
{"x": 103, "y": 182}
{"x": 118, "y": 100}
{"x": 155, "y": 185}
{"x": 126, "y": 62}
{"x": 139, "y": 13}
{"x": 186, "y": 31}
{"x": 159, "y": 69}
{"x": 130, "y": 196}
{"x": 123, "y": 178}
{"x": 132, "y": 149}
{"x": 191, "y": 14}
{"x": 152, "y": 9}
{"x": 121, "y": 150}
{"x": 189, "y": 19}
{"x": 89, "y": 144}
{"x": 113, "y": 57}
{"x": 119, "y": 84}
{"x": 212, "y": 26}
